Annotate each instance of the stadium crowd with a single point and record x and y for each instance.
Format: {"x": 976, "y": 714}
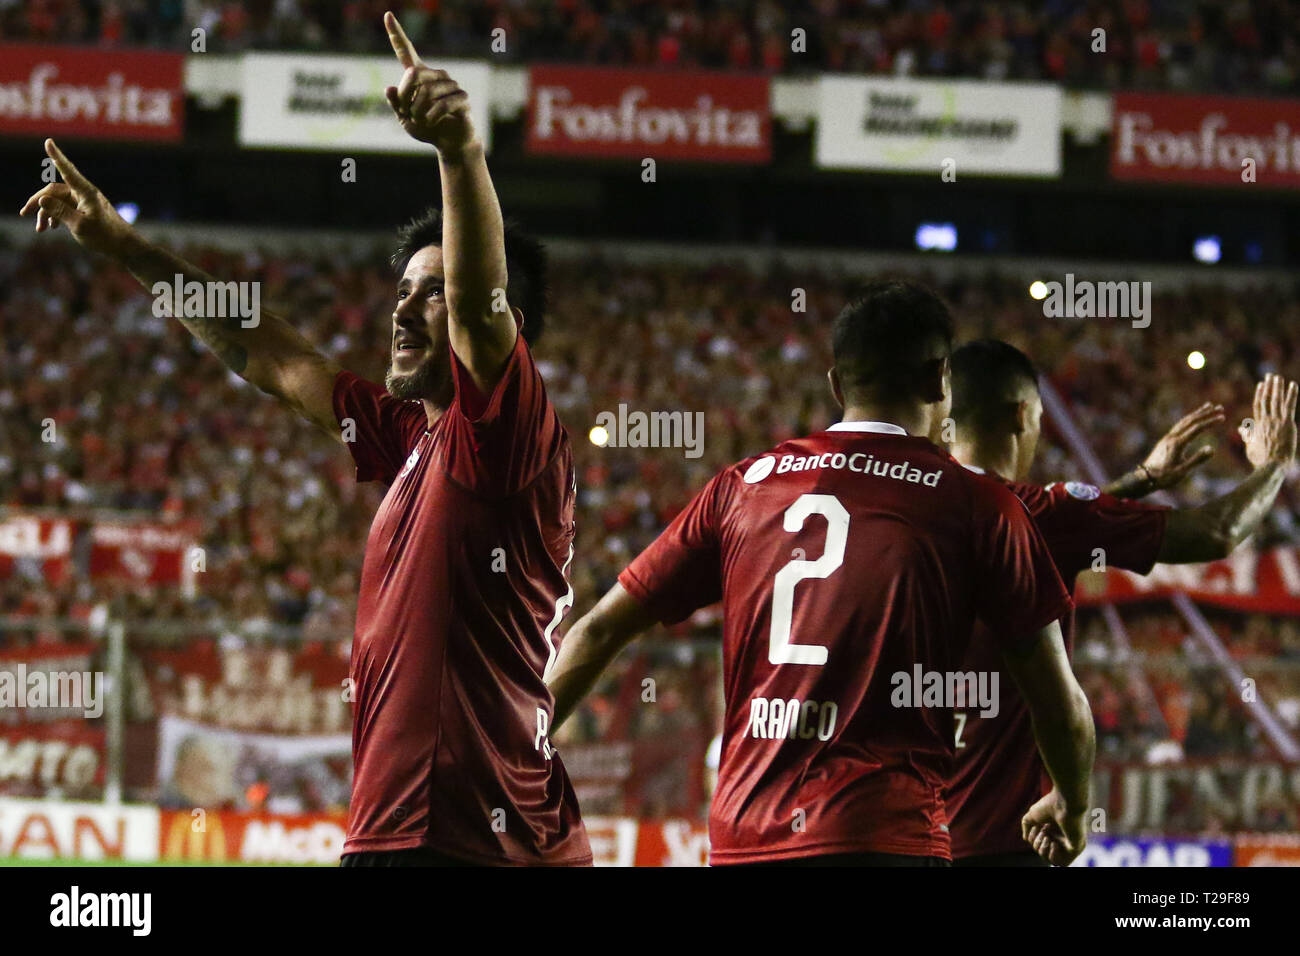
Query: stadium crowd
{"x": 1245, "y": 45}
{"x": 146, "y": 421}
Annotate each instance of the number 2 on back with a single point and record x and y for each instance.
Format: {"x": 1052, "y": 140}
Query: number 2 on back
{"x": 781, "y": 650}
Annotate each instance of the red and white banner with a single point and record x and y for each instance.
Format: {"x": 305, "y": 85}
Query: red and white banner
{"x": 626, "y": 841}
{"x": 142, "y": 551}
{"x": 67, "y": 758}
{"x": 70, "y": 91}
{"x": 38, "y": 684}
{"x": 45, "y": 542}
{"x": 1164, "y": 137}
{"x": 259, "y": 690}
{"x": 1266, "y": 583}
{"x": 137, "y": 551}
{"x": 603, "y": 112}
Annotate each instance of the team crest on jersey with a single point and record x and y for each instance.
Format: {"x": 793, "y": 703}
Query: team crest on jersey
{"x": 759, "y": 470}
{"x": 1077, "y": 489}
{"x": 410, "y": 463}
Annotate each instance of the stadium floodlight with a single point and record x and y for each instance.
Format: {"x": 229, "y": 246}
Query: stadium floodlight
{"x": 1038, "y": 289}
{"x": 1196, "y": 360}
{"x": 128, "y": 211}
{"x": 1206, "y": 249}
{"x": 940, "y": 236}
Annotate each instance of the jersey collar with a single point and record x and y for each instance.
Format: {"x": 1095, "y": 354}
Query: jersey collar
{"x": 883, "y": 428}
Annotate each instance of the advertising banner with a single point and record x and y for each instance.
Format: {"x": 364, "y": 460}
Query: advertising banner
{"x": 1121, "y": 851}
{"x": 1213, "y": 140}
{"x": 63, "y": 759}
{"x": 601, "y": 113}
{"x": 903, "y": 125}
{"x": 337, "y": 103}
{"x": 50, "y": 830}
{"x": 65, "y": 91}
{"x": 1261, "y": 582}
{"x": 1267, "y": 849}
{"x": 200, "y": 836}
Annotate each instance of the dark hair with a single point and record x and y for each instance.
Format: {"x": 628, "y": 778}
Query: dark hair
{"x": 526, "y": 263}
{"x": 886, "y": 333}
{"x": 987, "y": 376}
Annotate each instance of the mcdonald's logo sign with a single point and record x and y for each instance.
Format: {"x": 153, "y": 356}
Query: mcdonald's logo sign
{"x": 183, "y": 841}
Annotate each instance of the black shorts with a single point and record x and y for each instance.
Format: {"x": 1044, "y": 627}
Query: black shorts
{"x": 421, "y": 856}
{"x": 851, "y": 859}
{"x": 1014, "y": 858}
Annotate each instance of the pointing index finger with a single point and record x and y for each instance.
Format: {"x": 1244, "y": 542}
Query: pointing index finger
{"x": 71, "y": 175}
{"x": 406, "y": 54}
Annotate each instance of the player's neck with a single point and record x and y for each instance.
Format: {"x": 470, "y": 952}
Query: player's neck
{"x": 432, "y": 411}
{"x": 996, "y": 457}
{"x": 913, "y": 420}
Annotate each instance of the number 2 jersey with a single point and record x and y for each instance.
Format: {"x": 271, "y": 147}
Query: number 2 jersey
{"x": 851, "y": 565}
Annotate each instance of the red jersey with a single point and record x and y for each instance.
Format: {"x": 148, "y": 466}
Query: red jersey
{"x": 463, "y": 585}
{"x": 999, "y": 773}
{"x": 847, "y": 562}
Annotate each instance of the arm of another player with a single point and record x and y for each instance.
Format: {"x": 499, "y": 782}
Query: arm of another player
{"x": 590, "y": 645}
{"x": 270, "y": 354}
{"x": 1066, "y": 738}
{"x": 434, "y": 109}
{"x": 1214, "y": 530}
{"x": 1169, "y": 462}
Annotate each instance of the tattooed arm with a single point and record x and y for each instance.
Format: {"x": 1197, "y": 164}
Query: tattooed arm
{"x": 263, "y": 349}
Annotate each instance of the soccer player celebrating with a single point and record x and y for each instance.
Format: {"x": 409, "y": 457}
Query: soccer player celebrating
{"x": 464, "y": 576}
{"x": 849, "y": 564}
{"x": 997, "y": 413}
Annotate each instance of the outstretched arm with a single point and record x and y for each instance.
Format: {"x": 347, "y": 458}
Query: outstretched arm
{"x": 434, "y": 109}
{"x": 1171, "y": 460}
{"x": 262, "y": 348}
{"x": 590, "y": 645}
{"x": 1212, "y": 531}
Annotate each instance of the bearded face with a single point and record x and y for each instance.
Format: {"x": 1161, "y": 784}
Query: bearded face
{"x": 420, "y": 361}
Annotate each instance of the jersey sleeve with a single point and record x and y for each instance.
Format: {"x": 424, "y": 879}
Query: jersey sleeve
{"x": 1078, "y": 520}
{"x": 379, "y": 430}
{"x": 1018, "y": 589}
{"x": 499, "y": 442}
{"x": 681, "y": 571}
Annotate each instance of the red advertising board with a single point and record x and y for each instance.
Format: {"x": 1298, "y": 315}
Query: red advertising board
{"x": 1265, "y": 582}
{"x": 602, "y": 112}
{"x": 1268, "y": 849}
{"x": 69, "y": 91}
{"x": 1205, "y": 139}
{"x": 65, "y": 757}
{"x": 141, "y": 551}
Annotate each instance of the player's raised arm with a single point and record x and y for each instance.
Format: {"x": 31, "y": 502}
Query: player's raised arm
{"x": 262, "y": 347}
{"x": 1066, "y": 738}
{"x": 433, "y": 108}
{"x": 1212, "y": 531}
{"x": 590, "y": 645}
{"x": 1172, "y": 459}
